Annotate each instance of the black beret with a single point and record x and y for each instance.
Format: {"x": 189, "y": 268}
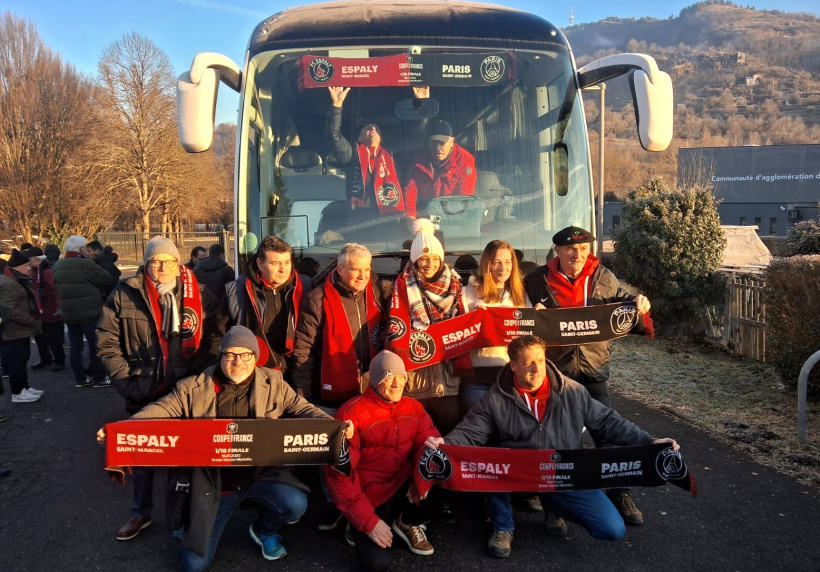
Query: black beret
{"x": 572, "y": 235}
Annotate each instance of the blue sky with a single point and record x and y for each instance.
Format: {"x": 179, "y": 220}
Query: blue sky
{"x": 80, "y": 29}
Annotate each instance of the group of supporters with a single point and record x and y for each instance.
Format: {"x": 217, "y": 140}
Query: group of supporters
{"x": 274, "y": 347}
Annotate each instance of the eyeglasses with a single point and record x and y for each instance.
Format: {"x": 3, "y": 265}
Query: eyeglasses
{"x": 230, "y": 356}
{"x": 169, "y": 264}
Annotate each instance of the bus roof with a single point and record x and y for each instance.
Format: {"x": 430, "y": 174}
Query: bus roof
{"x": 403, "y": 22}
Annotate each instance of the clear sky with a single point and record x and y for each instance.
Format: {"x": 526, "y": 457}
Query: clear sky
{"x": 80, "y": 29}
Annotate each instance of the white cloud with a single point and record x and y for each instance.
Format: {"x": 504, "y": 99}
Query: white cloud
{"x": 222, "y": 8}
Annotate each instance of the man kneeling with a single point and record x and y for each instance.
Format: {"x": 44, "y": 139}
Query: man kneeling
{"x": 236, "y": 389}
{"x": 390, "y": 431}
{"x": 533, "y": 406}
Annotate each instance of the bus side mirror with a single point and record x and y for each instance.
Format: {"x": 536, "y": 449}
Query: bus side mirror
{"x": 196, "y": 109}
{"x": 653, "y": 109}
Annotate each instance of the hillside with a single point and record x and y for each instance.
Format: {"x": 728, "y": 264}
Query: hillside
{"x": 741, "y": 76}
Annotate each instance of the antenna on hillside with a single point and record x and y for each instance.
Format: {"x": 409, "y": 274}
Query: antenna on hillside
{"x": 571, "y": 17}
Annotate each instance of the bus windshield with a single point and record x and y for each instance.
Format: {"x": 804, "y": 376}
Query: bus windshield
{"x": 488, "y": 144}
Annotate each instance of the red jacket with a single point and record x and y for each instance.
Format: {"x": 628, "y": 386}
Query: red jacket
{"x": 456, "y": 177}
{"x": 47, "y": 292}
{"x": 388, "y": 440}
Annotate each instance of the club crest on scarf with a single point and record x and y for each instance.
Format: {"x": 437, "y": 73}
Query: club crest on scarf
{"x": 669, "y": 464}
{"x": 435, "y": 465}
{"x": 624, "y": 319}
{"x": 189, "y": 324}
{"x": 396, "y": 328}
{"x": 422, "y": 347}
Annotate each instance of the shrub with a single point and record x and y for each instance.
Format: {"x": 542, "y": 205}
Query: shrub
{"x": 792, "y": 307}
{"x": 670, "y": 246}
{"x": 804, "y": 238}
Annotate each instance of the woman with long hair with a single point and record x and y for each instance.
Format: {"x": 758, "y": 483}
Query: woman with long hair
{"x": 498, "y": 283}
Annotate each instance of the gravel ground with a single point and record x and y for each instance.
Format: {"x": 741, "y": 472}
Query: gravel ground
{"x": 742, "y": 402}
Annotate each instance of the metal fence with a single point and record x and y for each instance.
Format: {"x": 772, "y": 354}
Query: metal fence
{"x": 130, "y": 246}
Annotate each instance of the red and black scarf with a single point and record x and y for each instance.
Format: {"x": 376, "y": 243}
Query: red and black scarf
{"x": 340, "y": 372}
{"x": 190, "y": 327}
{"x": 258, "y": 328}
{"x": 388, "y": 196}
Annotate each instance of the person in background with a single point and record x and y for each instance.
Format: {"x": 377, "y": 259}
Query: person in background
{"x": 106, "y": 259}
{"x": 213, "y": 272}
{"x": 50, "y": 340}
{"x": 197, "y": 253}
{"x": 20, "y": 311}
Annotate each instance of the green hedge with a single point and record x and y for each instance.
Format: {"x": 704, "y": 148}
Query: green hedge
{"x": 793, "y": 314}
{"x": 804, "y": 238}
{"x": 669, "y": 246}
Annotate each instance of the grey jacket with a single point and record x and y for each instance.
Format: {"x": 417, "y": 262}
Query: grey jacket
{"x": 195, "y": 398}
{"x": 503, "y": 417}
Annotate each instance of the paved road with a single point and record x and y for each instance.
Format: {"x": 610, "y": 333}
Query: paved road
{"x": 58, "y": 510}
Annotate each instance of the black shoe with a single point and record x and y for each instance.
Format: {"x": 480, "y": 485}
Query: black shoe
{"x": 446, "y": 514}
{"x": 4, "y": 471}
{"x": 332, "y": 517}
{"x": 58, "y": 367}
{"x": 41, "y": 365}
{"x": 85, "y": 382}
{"x": 104, "y": 382}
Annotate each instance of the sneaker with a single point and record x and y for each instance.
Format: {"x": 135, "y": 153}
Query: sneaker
{"x": 84, "y": 382}
{"x": 2, "y": 418}
{"x": 58, "y": 367}
{"x": 133, "y": 527}
{"x": 32, "y": 391}
{"x": 178, "y": 533}
{"x": 24, "y": 397}
{"x": 500, "y": 544}
{"x": 271, "y": 544}
{"x": 331, "y": 518}
{"x": 349, "y": 535}
{"x": 40, "y": 365}
{"x": 626, "y": 507}
{"x": 555, "y": 524}
{"x": 414, "y": 537}
{"x": 104, "y": 382}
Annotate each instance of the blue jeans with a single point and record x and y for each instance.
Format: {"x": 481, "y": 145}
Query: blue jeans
{"x": 471, "y": 393}
{"x": 280, "y": 504}
{"x": 591, "y": 509}
{"x": 75, "y": 341}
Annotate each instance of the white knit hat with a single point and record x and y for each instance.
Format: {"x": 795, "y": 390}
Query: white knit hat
{"x": 425, "y": 242}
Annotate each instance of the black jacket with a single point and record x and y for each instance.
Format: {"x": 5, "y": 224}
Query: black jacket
{"x": 129, "y": 348}
{"x": 214, "y": 273}
{"x": 587, "y": 363}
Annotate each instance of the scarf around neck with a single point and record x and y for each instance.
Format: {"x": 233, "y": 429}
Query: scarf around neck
{"x": 431, "y": 302}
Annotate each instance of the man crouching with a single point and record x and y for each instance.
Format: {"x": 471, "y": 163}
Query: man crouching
{"x": 390, "y": 431}
{"x": 533, "y": 406}
{"x": 236, "y": 389}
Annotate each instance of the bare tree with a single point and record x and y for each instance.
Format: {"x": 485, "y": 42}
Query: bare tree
{"x": 44, "y": 113}
{"x": 135, "y": 148}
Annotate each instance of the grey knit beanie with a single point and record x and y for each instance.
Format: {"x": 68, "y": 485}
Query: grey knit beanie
{"x": 240, "y": 337}
{"x": 160, "y": 245}
{"x": 385, "y": 364}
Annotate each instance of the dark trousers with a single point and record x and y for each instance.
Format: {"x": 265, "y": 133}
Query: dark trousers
{"x": 50, "y": 343}
{"x": 5, "y": 360}
{"x": 599, "y": 391}
{"x": 373, "y": 557}
{"x": 76, "y": 332}
{"x": 19, "y": 354}
{"x": 143, "y": 491}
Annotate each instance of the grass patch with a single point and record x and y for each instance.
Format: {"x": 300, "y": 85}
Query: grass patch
{"x": 742, "y": 402}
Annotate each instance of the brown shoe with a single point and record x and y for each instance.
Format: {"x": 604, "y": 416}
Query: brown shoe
{"x": 555, "y": 524}
{"x": 500, "y": 544}
{"x": 133, "y": 527}
{"x": 414, "y": 537}
{"x": 627, "y": 509}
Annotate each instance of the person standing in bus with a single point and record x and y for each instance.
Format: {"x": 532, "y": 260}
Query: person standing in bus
{"x": 444, "y": 168}
{"x": 373, "y": 187}
{"x": 576, "y": 278}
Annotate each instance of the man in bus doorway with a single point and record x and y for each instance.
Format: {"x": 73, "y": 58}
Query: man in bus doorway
{"x": 576, "y": 278}
{"x": 444, "y": 168}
